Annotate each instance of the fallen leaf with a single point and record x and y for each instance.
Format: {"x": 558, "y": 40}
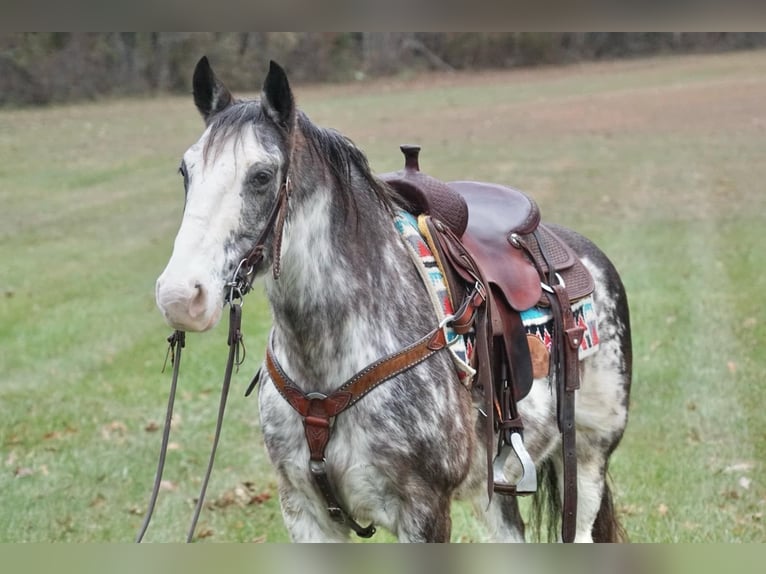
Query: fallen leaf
{"x": 13, "y": 439}
{"x": 662, "y": 509}
{"x": 98, "y": 501}
{"x": 135, "y": 510}
{"x": 52, "y": 435}
{"x": 44, "y": 469}
{"x": 729, "y": 494}
{"x": 151, "y": 426}
{"x": 259, "y": 539}
{"x": 168, "y": 485}
{"x": 693, "y": 436}
{"x": 113, "y": 429}
{"x": 743, "y": 466}
{"x": 630, "y": 510}
{"x": 174, "y": 446}
{"x": 744, "y": 482}
{"x": 732, "y": 366}
{"x": 23, "y": 472}
{"x": 205, "y": 533}
{"x": 260, "y": 498}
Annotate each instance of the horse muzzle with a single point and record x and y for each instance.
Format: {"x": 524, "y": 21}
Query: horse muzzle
{"x": 187, "y": 305}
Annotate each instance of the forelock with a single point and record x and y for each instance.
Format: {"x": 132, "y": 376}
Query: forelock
{"x": 232, "y": 122}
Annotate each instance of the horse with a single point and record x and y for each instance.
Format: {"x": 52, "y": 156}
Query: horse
{"x": 344, "y": 293}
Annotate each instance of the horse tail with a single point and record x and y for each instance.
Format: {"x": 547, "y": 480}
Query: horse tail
{"x": 607, "y": 527}
{"x": 545, "y": 510}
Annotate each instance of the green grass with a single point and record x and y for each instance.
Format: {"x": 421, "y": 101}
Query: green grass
{"x": 659, "y": 161}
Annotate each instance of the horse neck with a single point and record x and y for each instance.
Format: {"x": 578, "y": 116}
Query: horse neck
{"x": 344, "y": 295}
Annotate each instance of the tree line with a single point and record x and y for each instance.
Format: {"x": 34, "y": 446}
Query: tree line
{"x": 50, "y": 67}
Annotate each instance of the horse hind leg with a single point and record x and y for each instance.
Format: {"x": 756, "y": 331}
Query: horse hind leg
{"x": 502, "y": 518}
{"x": 596, "y": 517}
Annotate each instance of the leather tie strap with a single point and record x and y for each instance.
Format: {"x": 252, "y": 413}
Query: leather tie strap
{"x": 567, "y": 371}
{"x": 176, "y": 341}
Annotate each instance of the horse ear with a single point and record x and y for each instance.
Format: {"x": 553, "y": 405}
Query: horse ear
{"x": 210, "y": 95}
{"x": 277, "y": 98}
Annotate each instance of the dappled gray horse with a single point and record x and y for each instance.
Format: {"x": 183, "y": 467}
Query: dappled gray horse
{"x": 344, "y": 293}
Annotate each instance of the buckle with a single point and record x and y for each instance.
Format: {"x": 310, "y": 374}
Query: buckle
{"x": 240, "y": 284}
{"x": 317, "y": 467}
{"x": 445, "y": 324}
{"x": 548, "y": 288}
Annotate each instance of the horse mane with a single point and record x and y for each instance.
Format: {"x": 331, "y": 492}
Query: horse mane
{"x": 346, "y": 163}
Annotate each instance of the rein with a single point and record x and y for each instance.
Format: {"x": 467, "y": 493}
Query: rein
{"x": 177, "y": 342}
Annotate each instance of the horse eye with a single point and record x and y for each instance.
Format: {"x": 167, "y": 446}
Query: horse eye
{"x": 261, "y": 177}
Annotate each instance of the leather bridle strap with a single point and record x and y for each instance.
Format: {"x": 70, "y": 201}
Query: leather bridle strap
{"x": 242, "y": 281}
{"x": 317, "y": 409}
{"x": 235, "y": 343}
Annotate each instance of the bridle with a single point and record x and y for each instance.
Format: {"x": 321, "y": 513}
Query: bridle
{"x": 241, "y": 283}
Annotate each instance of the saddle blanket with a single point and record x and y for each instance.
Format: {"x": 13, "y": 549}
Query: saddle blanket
{"x": 538, "y": 321}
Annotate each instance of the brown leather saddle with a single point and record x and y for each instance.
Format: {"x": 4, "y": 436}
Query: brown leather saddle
{"x": 501, "y": 229}
{"x": 492, "y": 236}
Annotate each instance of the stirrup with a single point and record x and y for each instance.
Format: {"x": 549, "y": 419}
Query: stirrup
{"x": 528, "y": 482}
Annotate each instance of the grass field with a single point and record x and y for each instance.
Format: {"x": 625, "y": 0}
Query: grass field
{"x": 659, "y": 161}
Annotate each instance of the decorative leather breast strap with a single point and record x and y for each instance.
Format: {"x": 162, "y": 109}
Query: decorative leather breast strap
{"x": 317, "y": 409}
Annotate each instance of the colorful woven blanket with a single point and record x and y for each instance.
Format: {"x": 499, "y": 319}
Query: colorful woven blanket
{"x": 538, "y": 321}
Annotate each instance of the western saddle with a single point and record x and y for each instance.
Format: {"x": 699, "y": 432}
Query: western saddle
{"x": 492, "y": 246}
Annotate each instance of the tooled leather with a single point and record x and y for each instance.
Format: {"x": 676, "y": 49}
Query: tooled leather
{"x": 578, "y": 280}
{"x": 430, "y": 196}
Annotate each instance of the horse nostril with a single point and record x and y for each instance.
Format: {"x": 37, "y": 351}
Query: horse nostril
{"x": 199, "y": 301}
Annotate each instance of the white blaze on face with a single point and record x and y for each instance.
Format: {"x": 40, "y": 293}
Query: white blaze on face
{"x": 190, "y": 289}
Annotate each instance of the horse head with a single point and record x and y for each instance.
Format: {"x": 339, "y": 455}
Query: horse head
{"x": 232, "y": 179}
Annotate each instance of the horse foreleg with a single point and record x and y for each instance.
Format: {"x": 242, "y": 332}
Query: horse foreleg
{"x": 426, "y": 519}
{"x": 306, "y": 519}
